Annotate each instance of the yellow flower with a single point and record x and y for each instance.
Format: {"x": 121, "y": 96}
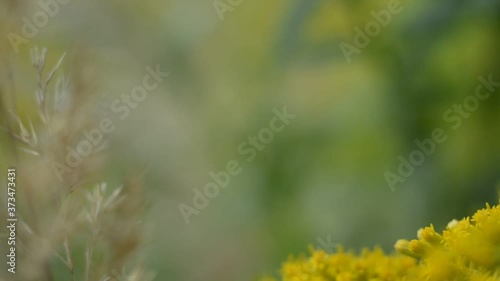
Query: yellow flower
{"x": 468, "y": 249}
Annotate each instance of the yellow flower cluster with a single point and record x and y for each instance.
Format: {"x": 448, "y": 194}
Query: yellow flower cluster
{"x": 468, "y": 249}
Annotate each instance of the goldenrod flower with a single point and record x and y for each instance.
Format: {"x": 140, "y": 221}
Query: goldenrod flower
{"x": 468, "y": 249}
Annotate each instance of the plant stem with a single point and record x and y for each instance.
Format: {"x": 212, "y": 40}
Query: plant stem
{"x": 70, "y": 261}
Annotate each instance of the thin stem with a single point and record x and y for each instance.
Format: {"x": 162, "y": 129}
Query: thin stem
{"x": 69, "y": 260}
{"x": 90, "y": 251}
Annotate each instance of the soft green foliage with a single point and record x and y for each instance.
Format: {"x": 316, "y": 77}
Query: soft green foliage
{"x": 321, "y": 176}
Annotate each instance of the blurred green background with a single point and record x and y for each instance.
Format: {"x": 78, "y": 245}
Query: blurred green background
{"x": 323, "y": 176}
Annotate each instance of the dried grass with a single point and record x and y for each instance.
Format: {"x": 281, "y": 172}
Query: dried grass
{"x": 61, "y": 220}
